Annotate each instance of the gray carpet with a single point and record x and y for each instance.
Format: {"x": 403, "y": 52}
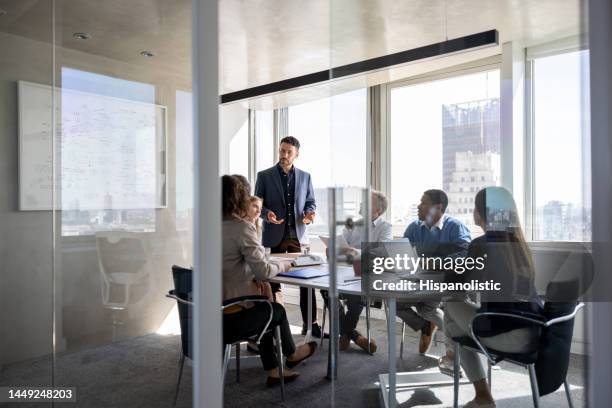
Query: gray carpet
{"x": 141, "y": 372}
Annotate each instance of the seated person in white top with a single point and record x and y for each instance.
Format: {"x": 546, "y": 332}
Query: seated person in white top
{"x": 381, "y": 230}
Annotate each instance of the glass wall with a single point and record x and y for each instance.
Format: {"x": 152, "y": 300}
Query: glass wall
{"x": 97, "y": 190}
{"x": 28, "y": 337}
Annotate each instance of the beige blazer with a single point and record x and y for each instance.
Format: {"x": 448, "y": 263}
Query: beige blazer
{"x": 244, "y": 259}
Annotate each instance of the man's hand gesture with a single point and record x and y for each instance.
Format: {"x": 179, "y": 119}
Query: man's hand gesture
{"x": 308, "y": 218}
{"x": 272, "y": 218}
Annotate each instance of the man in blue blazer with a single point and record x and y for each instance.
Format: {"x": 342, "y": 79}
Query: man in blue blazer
{"x": 288, "y": 207}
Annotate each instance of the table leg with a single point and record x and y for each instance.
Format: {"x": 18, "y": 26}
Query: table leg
{"x": 392, "y": 361}
{"x": 309, "y": 319}
{"x": 368, "y": 322}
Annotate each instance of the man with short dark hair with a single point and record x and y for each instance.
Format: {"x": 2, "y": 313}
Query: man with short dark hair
{"x": 288, "y": 207}
{"x": 434, "y": 234}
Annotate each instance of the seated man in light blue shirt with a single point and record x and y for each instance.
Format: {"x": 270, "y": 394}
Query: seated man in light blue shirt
{"x": 434, "y": 234}
{"x": 353, "y": 234}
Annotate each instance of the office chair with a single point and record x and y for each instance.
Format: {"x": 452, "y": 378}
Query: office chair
{"x": 547, "y": 363}
{"x": 122, "y": 262}
{"x": 182, "y": 292}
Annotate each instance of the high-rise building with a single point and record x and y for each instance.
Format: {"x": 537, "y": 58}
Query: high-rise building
{"x": 468, "y": 127}
{"x": 470, "y": 154}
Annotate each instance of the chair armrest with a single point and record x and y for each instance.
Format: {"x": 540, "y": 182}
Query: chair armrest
{"x": 531, "y": 318}
{"x": 248, "y": 298}
{"x": 253, "y": 298}
{"x": 519, "y": 317}
{"x": 172, "y": 295}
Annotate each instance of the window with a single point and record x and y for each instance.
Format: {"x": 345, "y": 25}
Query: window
{"x": 561, "y": 207}
{"x": 239, "y": 150}
{"x": 264, "y": 140}
{"x": 184, "y": 160}
{"x": 442, "y": 134}
{"x": 332, "y": 134}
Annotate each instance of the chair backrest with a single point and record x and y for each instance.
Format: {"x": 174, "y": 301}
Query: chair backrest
{"x": 556, "y": 340}
{"x": 183, "y": 282}
{"x": 120, "y": 252}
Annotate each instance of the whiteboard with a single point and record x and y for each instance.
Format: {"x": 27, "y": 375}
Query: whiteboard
{"x": 110, "y": 153}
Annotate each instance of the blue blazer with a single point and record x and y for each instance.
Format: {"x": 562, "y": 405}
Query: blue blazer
{"x": 269, "y": 188}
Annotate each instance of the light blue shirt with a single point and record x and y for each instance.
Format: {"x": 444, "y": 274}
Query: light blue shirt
{"x": 447, "y": 230}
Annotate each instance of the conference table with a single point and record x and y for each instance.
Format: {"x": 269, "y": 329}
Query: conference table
{"x": 347, "y": 283}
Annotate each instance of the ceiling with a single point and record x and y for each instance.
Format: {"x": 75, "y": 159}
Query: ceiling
{"x": 263, "y": 41}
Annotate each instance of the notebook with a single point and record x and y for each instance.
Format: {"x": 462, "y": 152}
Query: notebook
{"x": 305, "y": 273}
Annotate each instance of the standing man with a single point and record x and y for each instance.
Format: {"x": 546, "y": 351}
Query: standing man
{"x": 288, "y": 207}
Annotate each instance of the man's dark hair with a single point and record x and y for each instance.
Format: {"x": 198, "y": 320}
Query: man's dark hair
{"x": 292, "y": 141}
{"x": 437, "y": 197}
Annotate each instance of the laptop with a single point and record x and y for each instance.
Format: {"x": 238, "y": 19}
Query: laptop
{"x": 305, "y": 273}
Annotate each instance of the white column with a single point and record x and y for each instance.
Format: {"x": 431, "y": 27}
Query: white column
{"x": 600, "y": 38}
{"x": 207, "y": 383}
{"x": 512, "y": 121}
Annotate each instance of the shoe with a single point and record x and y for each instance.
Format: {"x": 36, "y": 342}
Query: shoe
{"x": 252, "y": 347}
{"x": 344, "y": 343}
{"x": 304, "y": 330}
{"x": 316, "y": 331}
{"x": 362, "y": 342}
{"x": 313, "y": 347}
{"x": 474, "y": 404}
{"x": 426, "y": 337}
{"x": 447, "y": 366}
{"x": 272, "y": 381}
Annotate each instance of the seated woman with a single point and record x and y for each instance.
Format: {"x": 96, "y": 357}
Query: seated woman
{"x": 244, "y": 263}
{"x": 507, "y": 261}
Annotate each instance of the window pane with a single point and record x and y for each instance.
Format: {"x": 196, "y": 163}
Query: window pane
{"x": 239, "y": 151}
{"x": 332, "y": 134}
{"x": 264, "y": 140}
{"x": 561, "y": 165}
{"x": 445, "y": 135}
{"x": 184, "y": 162}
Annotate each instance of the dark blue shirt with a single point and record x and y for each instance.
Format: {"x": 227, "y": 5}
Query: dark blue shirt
{"x": 288, "y": 183}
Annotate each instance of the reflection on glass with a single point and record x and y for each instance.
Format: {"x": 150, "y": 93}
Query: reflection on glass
{"x": 445, "y": 134}
{"x": 112, "y": 152}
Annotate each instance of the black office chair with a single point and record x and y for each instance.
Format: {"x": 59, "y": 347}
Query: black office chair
{"x": 547, "y": 363}
{"x": 182, "y": 294}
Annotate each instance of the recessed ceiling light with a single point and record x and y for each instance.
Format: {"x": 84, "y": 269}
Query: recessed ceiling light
{"x": 82, "y": 36}
{"x": 3, "y": 13}
{"x": 147, "y": 54}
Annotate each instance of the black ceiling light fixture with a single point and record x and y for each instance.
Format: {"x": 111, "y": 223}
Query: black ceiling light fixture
{"x": 467, "y": 43}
